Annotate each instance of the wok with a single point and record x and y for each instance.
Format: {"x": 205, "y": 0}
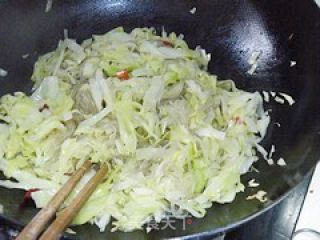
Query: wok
{"x": 232, "y": 30}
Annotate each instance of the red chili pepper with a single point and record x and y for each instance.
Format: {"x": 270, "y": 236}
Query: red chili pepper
{"x": 27, "y": 194}
{"x": 167, "y": 43}
{"x": 123, "y": 75}
{"x": 237, "y": 120}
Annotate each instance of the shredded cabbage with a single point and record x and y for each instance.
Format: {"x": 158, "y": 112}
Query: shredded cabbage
{"x": 3, "y": 72}
{"x": 175, "y": 138}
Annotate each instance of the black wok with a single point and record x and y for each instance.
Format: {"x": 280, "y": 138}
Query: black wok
{"x": 283, "y": 30}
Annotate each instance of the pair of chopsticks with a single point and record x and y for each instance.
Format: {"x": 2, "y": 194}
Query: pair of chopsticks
{"x": 37, "y": 225}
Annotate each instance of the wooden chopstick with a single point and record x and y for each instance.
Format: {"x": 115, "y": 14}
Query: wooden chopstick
{"x": 64, "y": 219}
{"x": 40, "y": 221}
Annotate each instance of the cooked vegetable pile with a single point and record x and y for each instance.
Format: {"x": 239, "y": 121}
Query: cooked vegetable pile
{"x": 175, "y": 139}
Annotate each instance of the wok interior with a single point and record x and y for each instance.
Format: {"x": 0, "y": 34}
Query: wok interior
{"x": 232, "y": 30}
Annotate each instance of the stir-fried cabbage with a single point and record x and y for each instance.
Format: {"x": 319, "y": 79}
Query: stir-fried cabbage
{"x": 174, "y": 137}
